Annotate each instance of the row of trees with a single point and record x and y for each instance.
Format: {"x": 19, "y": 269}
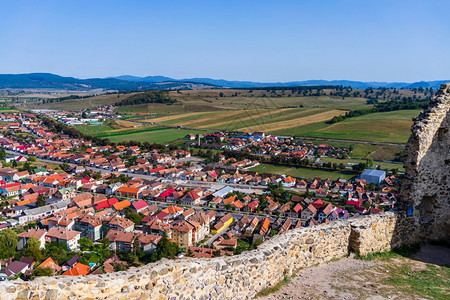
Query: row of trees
{"x": 147, "y": 97}
{"x": 406, "y": 103}
{"x": 59, "y": 127}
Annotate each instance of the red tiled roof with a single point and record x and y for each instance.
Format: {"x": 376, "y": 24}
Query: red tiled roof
{"x": 139, "y": 204}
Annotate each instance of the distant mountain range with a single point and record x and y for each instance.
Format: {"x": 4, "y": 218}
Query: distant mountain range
{"x": 248, "y": 84}
{"x": 52, "y": 81}
{"x": 128, "y": 83}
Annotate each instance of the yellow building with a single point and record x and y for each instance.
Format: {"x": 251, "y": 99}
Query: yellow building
{"x": 223, "y": 223}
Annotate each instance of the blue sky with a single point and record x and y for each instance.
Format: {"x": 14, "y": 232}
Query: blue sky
{"x": 236, "y": 40}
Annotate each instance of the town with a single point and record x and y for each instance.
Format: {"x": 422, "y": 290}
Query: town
{"x": 72, "y": 207}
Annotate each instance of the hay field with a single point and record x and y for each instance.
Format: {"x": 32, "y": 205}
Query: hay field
{"x": 127, "y": 124}
{"x": 315, "y": 118}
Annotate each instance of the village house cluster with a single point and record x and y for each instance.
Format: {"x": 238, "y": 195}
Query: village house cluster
{"x": 259, "y": 144}
{"x": 207, "y": 210}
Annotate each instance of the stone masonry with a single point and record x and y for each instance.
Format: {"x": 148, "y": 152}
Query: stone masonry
{"x": 425, "y": 190}
{"x": 426, "y": 187}
{"x": 229, "y": 277}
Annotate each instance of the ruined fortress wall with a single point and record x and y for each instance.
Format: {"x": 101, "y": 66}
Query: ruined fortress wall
{"x": 426, "y": 187}
{"x": 232, "y": 277}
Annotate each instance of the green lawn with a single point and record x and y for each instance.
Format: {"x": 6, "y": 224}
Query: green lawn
{"x": 94, "y": 130}
{"x": 159, "y": 135}
{"x": 301, "y": 172}
{"x": 382, "y": 165}
{"x": 151, "y": 134}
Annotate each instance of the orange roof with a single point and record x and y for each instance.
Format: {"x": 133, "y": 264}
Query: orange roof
{"x": 49, "y": 263}
{"x": 238, "y": 204}
{"x": 24, "y": 202}
{"x": 265, "y": 225}
{"x": 172, "y": 209}
{"x": 126, "y": 189}
{"x": 78, "y": 269}
{"x": 121, "y": 205}
{"x": 229, "y": 200}
{"x": 289, "y": 179}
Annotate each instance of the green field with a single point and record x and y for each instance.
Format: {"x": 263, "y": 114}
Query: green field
{"x": 279, "y": 112}
{"x": 160, "y": 136}
{"x": 301, "y": 172}
{"x": 151, "y": 134}
{"x": 94, "y": 130}
{"x": 383, "y": 165}
{"x": 391, "y": 126}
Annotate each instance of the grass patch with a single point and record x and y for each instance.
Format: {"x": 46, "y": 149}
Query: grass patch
{"x": 377, "y": 127}
{"x": 404, "y": 251}
{"x": 159, "y": 135}
{"x": 432, "y": 282}
{"x": 383, "y": 165}
{"x": 302, "y": 172}
{"x": 274, "y": 288}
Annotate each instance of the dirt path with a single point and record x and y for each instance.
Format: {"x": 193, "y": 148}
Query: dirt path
{"x": 351, "y": 278}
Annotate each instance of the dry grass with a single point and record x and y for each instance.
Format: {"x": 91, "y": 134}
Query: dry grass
{"x": 171, "y": 117}
{"x": 208, "y": 118}
{"x": 324, "y": 116}
{"x": 127, "y": 124}
{"x": 250, "y": 116}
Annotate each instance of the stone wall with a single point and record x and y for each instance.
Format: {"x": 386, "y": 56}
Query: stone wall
{"x": 232, "y": 277}
{"x": 426, "y": 187}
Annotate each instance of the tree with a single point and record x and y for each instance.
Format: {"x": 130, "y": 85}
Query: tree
{"x": 33, "y": 249}
{"x": 57, "y": 251}
{"x": 41, "y": 201}
{"x": 42, "y": 271}
{"x": 8, "y": 243}
{"x": 33, "y": 242}
{"x": 85, "y": 244}
{"x": 166, "y": 248}
{"x": 64, "y": 166}
{"x": 120, "y": 267}
{"x": 27, "y": 167}
{"x": 369, "y": 162}
{"x": 366, "y": 205}
{"x": 102, "y": 249}
{"x": 133, "y": 216}
{"x": 2, "y": 154}
{"x": 190, "y": 253}
{"x": 216, "y": 253}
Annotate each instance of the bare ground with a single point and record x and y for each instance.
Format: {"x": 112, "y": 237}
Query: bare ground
{"x": 351, "y": 278}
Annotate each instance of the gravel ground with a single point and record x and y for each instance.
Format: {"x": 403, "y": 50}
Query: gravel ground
{"x": 350, "y": 278}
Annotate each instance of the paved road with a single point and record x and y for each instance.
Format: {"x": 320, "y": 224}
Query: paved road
{"x": 216, "y": 236}
{"x": 186, "y": 183}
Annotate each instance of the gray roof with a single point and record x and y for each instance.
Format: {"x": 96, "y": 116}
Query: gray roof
{"x": 22, "y": 207}
{"x": 372, "y": 172}
{"x": 47, "y": 208}
{"x": 223, "y": 192}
